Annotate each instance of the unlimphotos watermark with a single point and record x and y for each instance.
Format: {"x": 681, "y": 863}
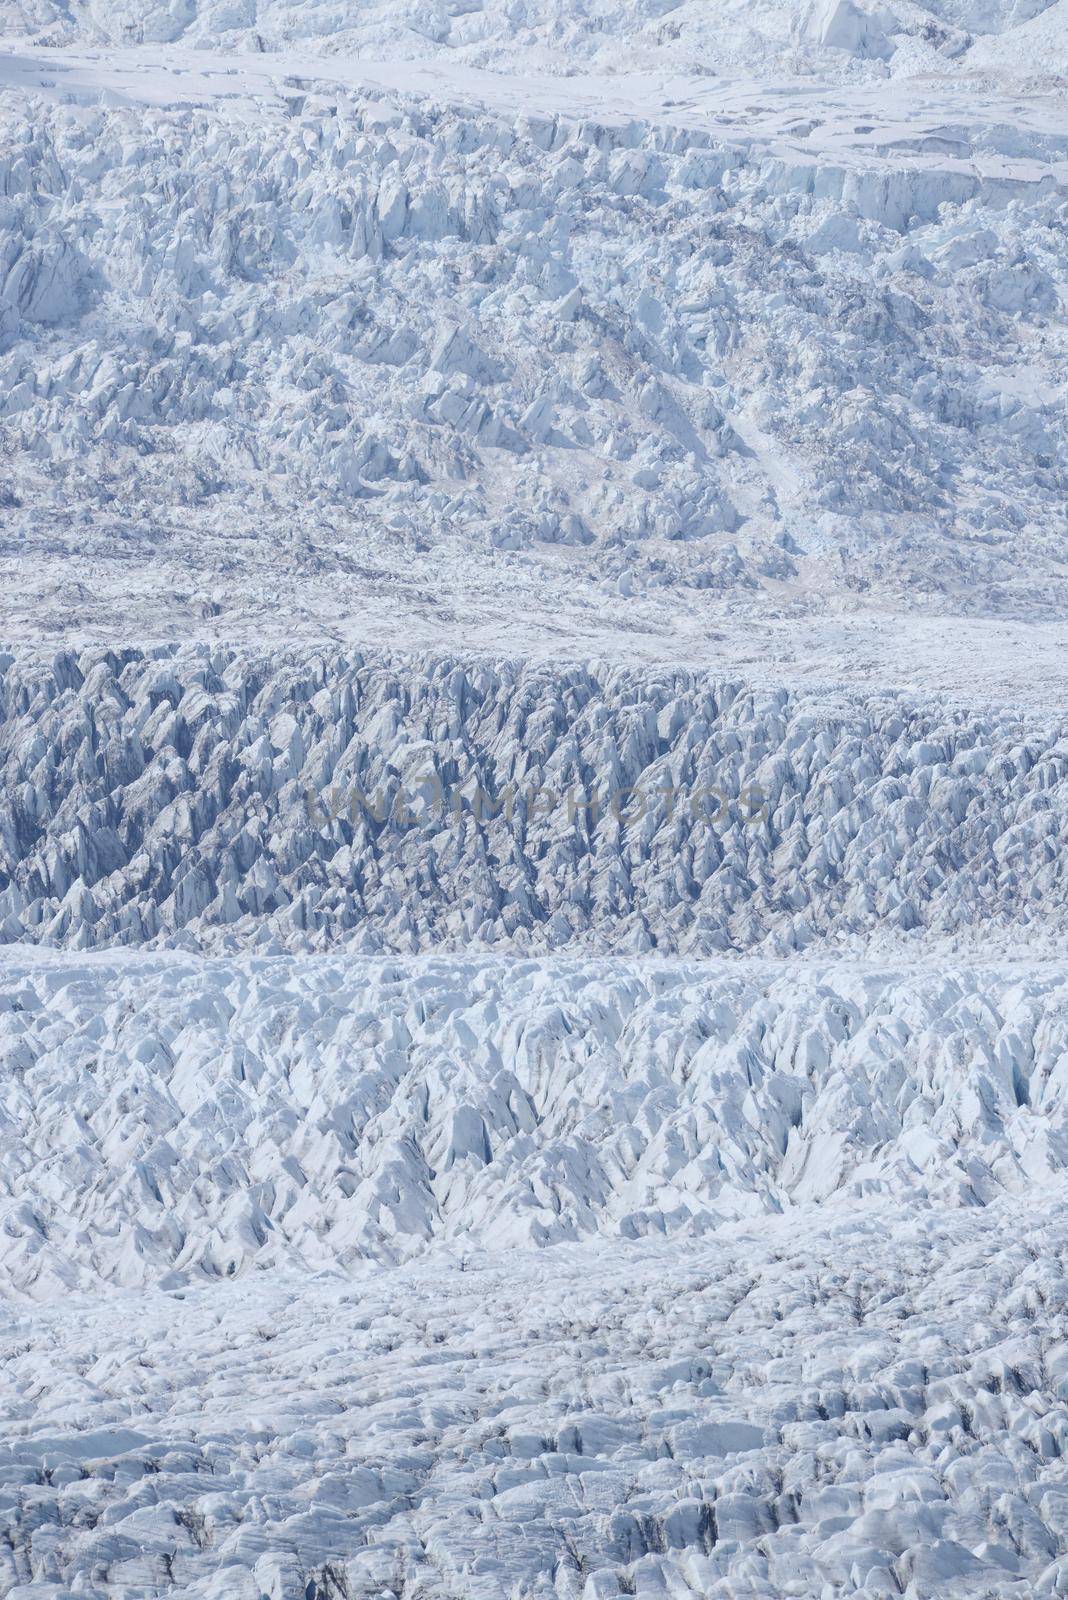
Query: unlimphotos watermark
{"x": 406, "y": 805}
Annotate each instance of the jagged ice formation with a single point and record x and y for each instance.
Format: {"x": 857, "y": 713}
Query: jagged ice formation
{"x": 230, "y": 799}
{"x": 533, "y": 1017}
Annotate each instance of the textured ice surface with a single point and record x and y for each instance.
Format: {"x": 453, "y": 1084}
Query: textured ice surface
{"x": 840, "y": 1407}
{"x": 168, "y": 1119}
{"x": 533, "y": 1016}
{"x": 776, "y": 36}
{"x": 310, "y": 343}
{"x": 230, "y": 799}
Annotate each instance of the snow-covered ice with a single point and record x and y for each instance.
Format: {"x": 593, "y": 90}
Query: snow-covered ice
{"x": 762, "y": 1415}
{"x": 175, "y": 1120}
{"x": 533, "y": 799}
{"x": 516, "y": 337}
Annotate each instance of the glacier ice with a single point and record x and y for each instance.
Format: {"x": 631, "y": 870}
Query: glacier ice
{"x": 492, "y": 1264}
{"x": 406, "y": 345}
{"x": 756, "y": 1416}
{"x": 229, "y": 798}
{"x": 533, "y": 1009}
{"x": 231, "y": 1115}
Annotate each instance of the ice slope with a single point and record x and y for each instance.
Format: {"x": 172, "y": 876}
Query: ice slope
{"x": 1038, "y": 45}
{"x": 850, "y": 1411}
{"x": 524, "y": 360}
{"x": 776, "y": 37}
{"x": 167, "y": 1120}
{"x": 228, "y": 799}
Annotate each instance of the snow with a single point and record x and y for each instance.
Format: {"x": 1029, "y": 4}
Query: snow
{"x": 753, "y": 1416}
{"x": 263, "y": 1113}
{"x": 499, "y": 358}
{"x": 533, "y": 799}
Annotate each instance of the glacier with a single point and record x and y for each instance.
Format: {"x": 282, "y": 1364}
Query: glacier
{"x": 373, "y": 345}
{"x": 224, "y": 798}
{"x": 533, "y": 800}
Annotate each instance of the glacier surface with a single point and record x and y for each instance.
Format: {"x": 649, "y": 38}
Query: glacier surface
{"x": 514, "y": 338}
{"x": 533, "y": 1009}
{"x": 224, "y": 798}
